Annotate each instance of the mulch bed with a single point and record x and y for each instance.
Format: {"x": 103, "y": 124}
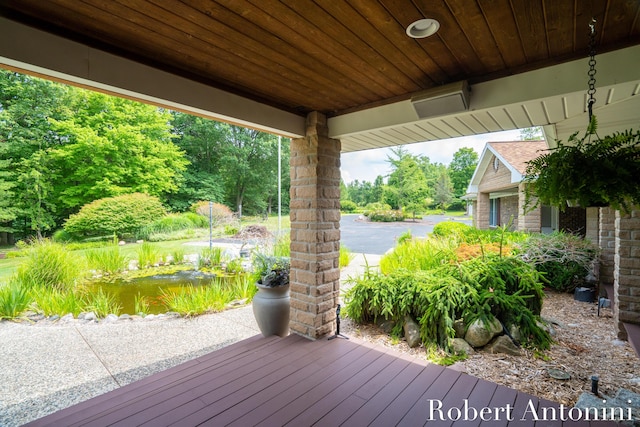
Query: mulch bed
{"x": 585, "y": 344}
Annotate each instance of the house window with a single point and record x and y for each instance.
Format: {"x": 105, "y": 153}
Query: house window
{"x": 494, "y": 212}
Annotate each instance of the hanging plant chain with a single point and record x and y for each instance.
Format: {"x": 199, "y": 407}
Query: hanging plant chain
{"x": 592, "y": 67}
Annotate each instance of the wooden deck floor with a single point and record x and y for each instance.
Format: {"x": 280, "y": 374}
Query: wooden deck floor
{"x": 293, "y": 381}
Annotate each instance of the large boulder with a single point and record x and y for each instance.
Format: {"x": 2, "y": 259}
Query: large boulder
{"x": 459, "y": 327}
{"x": 478, "y": 334}
{"x": 503, "y": 344}
{"x": 411, "y": 332}
{"x": 458, "y": 346}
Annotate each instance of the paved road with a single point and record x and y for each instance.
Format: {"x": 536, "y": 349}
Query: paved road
{"x": 361, "y": 236}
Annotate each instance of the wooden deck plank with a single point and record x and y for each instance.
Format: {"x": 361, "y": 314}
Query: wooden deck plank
{"x": 420, "y": 411}
{"x": 480, "y": 397}
{"x": 454, "y": 397}
{"x": 385, "y": 397}
{"x": 248, "y": 398}
{"x": 292, "y": 380}
{"x": 335, "y": 396}
{"x": 273, "y": 402}
{"x": 228, "y": 385}
{"x": 134, "y": 395}
{"x": 407, "y": 398}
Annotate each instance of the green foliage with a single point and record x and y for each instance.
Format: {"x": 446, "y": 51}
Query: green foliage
{"x": 141, "y": 304}
{"x": 57, "y": 302}
{"x": 230, "y": 230}
{"x": 461, "y": 169}
{"x": 405, "y": 237}
{"x": 345, "y": 256}
{"x": 50, "y": 265}
{"x": 282, "y": 246}
{"x": 191, "y": 301}
{"x": 450, "y": 229}
{"x": 425, "y": 279}
{"x": 210, "y": 257}
{"x": 178, "y": 256}
{"x": 171, "y": 223}
{"x": 386, "y": 216}
{"x": 14, "y": 300}
{"x": 563, "y": 258}
{"x": 419, "y": 254}
{"x": 148, "y": 255}
{"x": 376, "y": 206}
{"x": 113, "y": 146}
{"x": 109, "y": 260}
{"x": 218, "y": 213}
{"x": 348, "y": 206}
{"x": 126, "y": 214}
{"x": 243, "y": 287}
{"x": 588, "y": 171}
{"x": 102, "y": 304}
{"x": 407, "y": 183}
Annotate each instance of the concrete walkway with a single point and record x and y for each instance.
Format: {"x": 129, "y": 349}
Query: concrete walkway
{"x": 49, "y": 365}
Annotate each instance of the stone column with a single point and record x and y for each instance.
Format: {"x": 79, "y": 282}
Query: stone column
{"x": 606, "y": 242}
{"x": 315, "y": 230}
{"x": 482, "y": 212}
{"x": 627, "y": 270}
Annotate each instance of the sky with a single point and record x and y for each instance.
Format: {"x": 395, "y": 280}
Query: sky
{"x": 367, "y": 165}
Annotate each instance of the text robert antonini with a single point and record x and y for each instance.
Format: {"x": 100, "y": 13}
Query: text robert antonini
{"x": 507, "y": 412}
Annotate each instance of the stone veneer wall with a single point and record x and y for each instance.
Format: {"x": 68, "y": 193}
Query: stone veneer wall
{"x": 531, "y": 221}
{"x": 627, "y": 268}
{"x": 481, "y": 213}
{"x": 315, "y": 230}
{"x": 509, "y": 211}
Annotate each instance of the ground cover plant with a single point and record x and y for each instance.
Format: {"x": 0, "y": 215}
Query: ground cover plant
{"x": 460, "y": 272}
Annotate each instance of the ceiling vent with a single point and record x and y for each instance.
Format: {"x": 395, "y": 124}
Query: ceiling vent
{"x": 447, "y": 99}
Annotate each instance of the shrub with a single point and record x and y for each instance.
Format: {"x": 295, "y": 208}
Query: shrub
{"x": 450, "y": 228}
{"x": 102, "y": 303}
{"x": 345, "y": 256}
{"x": 108, "y": 261}
{"x": 230, "y": 230}
{"x": 14, "y": 300}
{"x": 220, "y": 214}
{"x": 376, "y": 206}
{"x": 61, "y": 236}
{"x": 419, "y": 254}
{"x": 563, "y": 258}
{"x": 171, "y": 223}
{"x": 50, "y": 265}
{"x": 52, "y": 301}
{"x": 148, "y": 255}
{"x": 348, "y": 206}
{"x": 126, "y": 214}
{"x": 386, "y": 216}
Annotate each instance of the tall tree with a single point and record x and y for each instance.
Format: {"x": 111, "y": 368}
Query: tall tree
{"x": 407, "y": 184}
{"x": 461, "y": 170}
{"x": 115, "y": 146}
{"x": 443, "y": 191}
{"x": 249, "y": 165}
{"x": 26, "y": 106}
{"x": 531, "y": 134}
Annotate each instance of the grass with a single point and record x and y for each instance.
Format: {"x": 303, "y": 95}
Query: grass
{"x": 52, "y": 301}
{"x": 109, "y": 260}
{"x": 14, "y": 299}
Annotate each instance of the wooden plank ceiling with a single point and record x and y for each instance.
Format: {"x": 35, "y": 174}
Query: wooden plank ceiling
{"x": 336, "y": 56}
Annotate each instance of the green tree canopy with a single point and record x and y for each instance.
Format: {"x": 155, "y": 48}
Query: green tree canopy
{"x": 115, "y": 146}
{"x": 461, "y": 170}
{"x": 407, "y": 184}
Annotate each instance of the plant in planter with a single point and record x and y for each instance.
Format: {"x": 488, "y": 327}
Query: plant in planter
{"x": 271, "y": 302}
{"x": 587, "y": 171}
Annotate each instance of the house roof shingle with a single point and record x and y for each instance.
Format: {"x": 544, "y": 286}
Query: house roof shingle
{"x": 518, "y": 153}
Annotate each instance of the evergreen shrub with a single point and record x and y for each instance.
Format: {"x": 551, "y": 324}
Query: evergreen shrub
{"x": 120, "y": 215}
{"x": 348, "y": 206}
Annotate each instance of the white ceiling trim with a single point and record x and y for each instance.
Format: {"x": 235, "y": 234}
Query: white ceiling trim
{"x": 37, "y": 52}
{"x": 544, "y": 97}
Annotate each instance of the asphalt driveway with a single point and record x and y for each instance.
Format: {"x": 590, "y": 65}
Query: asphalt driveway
{"x": 362, "y": 236}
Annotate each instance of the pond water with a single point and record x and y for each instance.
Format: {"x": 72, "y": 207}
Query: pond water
{"x": 152, "y": 287}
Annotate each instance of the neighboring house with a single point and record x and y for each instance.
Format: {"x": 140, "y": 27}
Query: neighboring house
{"x": 497, "y": 195}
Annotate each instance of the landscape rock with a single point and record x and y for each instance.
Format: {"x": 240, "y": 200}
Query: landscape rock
{"x": 515, "y": 333}
{"x": 67, "y": 317}
{"x": 387, "y": 326}
{"x": 90, "y": 316}
{"x": 478, "y": 334}
{"x": 459, "y": 327}
{"x": 111, "y": 318}
{"x": 503, "y": 344}
{"x": 411, "y": 332}
{"x": 459, "y": 345}
{"x": 124, "y": 316}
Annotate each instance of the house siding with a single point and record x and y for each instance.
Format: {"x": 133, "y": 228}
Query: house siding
{"x": 509, "y": 211}
{"x": 493, "y": 180}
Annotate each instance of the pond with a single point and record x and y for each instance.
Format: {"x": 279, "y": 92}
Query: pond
{"x": 151, "y": 287}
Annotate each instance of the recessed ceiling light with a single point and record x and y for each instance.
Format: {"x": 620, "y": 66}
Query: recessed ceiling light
{"x": 423, "y": 28}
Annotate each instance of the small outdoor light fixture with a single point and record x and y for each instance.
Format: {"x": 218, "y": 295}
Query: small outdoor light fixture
{"x": 423, "y": 28}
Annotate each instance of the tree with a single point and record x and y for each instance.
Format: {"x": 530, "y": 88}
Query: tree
{"x": 443, "y": 192}
{"x": 249, "y": 165}
{"x": 115, "y": 146}
{"x": 407, "y": 183}
{"x": 531, "y": 134}
{"x": 461, "y": 170}
{"x": 27, "y": 105}
{"x": 201, "y": 140}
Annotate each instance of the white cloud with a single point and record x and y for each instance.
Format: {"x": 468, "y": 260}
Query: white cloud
{"x": 367, "y": 165}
